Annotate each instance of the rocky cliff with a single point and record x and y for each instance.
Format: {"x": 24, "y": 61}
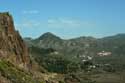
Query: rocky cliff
{"x": 12, "y": 46}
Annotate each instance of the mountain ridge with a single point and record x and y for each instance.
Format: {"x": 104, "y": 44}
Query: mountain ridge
{"x": 78, "y": 37}
{"x": 79, "y": 44}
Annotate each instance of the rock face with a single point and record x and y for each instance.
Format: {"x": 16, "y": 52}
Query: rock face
{"x": 12, "y": 46}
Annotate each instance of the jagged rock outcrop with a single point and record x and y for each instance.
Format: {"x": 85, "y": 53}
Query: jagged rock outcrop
{"x": 12, "y": 46}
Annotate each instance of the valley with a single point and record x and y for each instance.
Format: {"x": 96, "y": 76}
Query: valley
{"x": 51, "y": 59}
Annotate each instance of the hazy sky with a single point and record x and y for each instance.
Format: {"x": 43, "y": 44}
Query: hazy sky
{"x": 67, "y": 18}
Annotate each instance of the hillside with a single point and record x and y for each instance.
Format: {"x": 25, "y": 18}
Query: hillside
{"x": 82, "y": 55}
{"x": 88, "y": 46}
{"x": 15, "y": 62}
{"x": 12, "y": 46}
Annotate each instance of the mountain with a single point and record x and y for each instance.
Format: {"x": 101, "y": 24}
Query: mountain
{"x": 49, "y": 35}
{"x": 72, "y": 47}
{"x": 89, "y": 46}
{"x": 15, "y": 62}
{"x": 78, "y": 57}
{"x": 48, "y": 40}
{"x": 12, "y": 46}
{"x": 115, "y": 44}
{"x": 78, "y": 49}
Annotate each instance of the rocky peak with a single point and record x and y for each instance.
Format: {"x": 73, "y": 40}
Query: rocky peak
{"x": 12, "y": 46}
{"x": 6, "y": 23}
{"x": 49, "y": 35}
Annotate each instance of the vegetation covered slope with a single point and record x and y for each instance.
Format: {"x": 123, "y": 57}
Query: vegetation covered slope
{"x": 82, "y": 48}
{"x": 85, "y": 58}
{"x": 14, "y": 74}
{"x": 88, "y": 46}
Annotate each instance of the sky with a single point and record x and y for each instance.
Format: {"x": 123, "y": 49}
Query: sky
{"x": 67, "y": 18}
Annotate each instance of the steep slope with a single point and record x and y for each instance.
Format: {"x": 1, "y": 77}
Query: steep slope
{"x": 12, "y": 46}
{"x": 15, "y": 62}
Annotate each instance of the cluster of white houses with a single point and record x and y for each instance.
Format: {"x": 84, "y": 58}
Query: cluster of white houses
{"x": 104, "y": 53}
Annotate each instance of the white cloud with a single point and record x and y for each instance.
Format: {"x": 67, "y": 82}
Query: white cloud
{"x": 30, "y": 12}
{"x": 28, "y": 24}
{"x": 51, "y": 21}
{"x": 55, "y": 23}
{"x": 69, "y": 23}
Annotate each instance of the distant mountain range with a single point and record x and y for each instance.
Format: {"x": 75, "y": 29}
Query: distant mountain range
{"x": 88, "y": 46}
{"x": 78, "y": 54}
